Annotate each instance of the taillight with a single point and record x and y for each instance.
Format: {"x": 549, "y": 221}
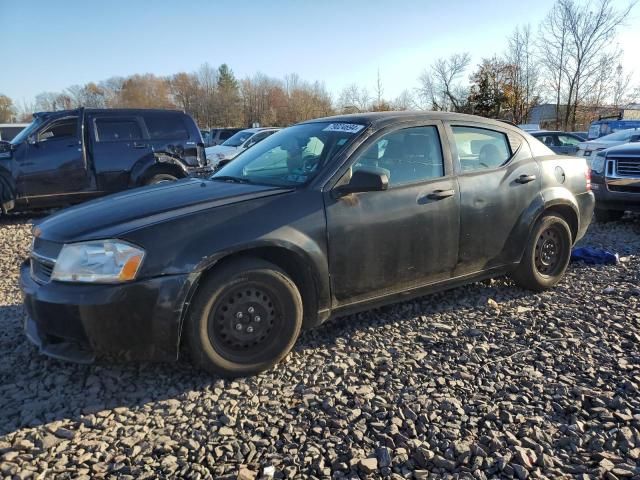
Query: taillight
{"x": 587, "y": 177}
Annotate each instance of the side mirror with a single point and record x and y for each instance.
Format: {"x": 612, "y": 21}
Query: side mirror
{"x": 634, "y": 138}
{"x": 367, "y": 179}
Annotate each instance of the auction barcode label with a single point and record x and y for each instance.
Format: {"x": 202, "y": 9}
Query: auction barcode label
{"x": 343, "y": 127}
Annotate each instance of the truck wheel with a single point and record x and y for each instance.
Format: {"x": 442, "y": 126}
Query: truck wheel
{"x": 244, "y": 319}
{"x": 608, "y": 215}
{"x": 546, "y": 255}
{"x": 161, "y": 178}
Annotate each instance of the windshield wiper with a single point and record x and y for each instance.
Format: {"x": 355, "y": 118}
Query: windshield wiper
{"x": 228, "y": 178}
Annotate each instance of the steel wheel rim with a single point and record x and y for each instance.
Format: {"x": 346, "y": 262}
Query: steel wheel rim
{"x": 244, "y": 322}
{"x": 548, "y": 251}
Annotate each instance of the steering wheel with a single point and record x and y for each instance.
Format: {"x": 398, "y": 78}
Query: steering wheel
{"x": 310, "y": 163}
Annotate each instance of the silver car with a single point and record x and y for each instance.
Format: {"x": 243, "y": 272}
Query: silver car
{"x": 587, "y": 149}
{"x": 237, "y": 144}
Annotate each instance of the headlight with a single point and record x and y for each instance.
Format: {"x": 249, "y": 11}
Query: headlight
{"x": 102, "y": 261}
{"x": 597, "y": 162}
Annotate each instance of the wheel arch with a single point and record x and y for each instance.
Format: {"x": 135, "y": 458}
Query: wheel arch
{"x": 286, "y": 257}
{"x": 155, "y": 164}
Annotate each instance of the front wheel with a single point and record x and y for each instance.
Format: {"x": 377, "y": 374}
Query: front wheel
{"x": 245, "y": 318}
{"x": 546, "y": 255}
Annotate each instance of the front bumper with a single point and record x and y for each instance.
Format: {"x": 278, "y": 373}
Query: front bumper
{"x": 134, "y": 321}
{"x": 616, "y": 194}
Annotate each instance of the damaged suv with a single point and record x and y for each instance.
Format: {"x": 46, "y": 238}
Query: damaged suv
{"x": 70, "y": 156}
{"x": 323, "y": 218}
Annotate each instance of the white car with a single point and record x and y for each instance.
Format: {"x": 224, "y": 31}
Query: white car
{"x": 237, "y": 144}
{"x": 586, "y": 149}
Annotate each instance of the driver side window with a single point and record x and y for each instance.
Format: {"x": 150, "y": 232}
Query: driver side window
{"x": 64, "y": 128}
{"x": 409, "y": 155}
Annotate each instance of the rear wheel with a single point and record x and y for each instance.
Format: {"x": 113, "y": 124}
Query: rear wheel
{"x": 546, "y": 256}
{"x": 245, "y": 318}
{"x": 603, "y": 215}
{"x": 161, "y": 178}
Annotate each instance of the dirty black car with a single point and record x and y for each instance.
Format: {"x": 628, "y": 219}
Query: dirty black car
{"x": 324, "y": 218}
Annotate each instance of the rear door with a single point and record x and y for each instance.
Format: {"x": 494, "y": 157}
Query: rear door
{"x": 499, "y": 179}
{"x": 117, "y": 143}
{"x": 169, "y": 133}
{"x": 54, "y": 165}
{"x": 401, "y": 238}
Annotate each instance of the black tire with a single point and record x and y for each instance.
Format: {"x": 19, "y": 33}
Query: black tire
{"x": 603, "y": 215}
{"x": 161, "y": 178}
{"x": 546, "y": 255}
{"x": 271, "y": 317}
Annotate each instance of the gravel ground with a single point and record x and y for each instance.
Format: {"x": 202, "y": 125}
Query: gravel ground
{"x": 481, "y": 381}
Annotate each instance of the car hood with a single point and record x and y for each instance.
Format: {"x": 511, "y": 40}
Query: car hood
{"x": 114, "y": 215}
{"x": 596, "y": 144}
{"x": 626, "y": 149}
{"x": 223, "y": 149}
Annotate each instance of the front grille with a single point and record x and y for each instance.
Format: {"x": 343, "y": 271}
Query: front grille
{"x": 628, "y": 167}
{"x": 624, "y": 188}
{"x": 41, "y": 269}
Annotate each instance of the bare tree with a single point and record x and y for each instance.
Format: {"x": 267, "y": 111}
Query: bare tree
{"x": 621, "y": 87}
{"x": 440, "y": 87}
{"x": 522, "y": 74}
{"x": 7, "y": 110}
{"x": 404, "y": 101}
{"x": 354, "y": 99}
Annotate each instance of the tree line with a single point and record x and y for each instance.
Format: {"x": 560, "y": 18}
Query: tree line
{"x": 571, "y": 60}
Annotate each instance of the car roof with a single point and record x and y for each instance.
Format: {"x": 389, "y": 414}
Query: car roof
{"x": 380, "y": 119}
{"x": 111, "y": 110}
{"x": 258, "y": 129}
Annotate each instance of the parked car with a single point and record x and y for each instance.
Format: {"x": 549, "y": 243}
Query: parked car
{"x": 9, "y": 130}
{"x": 616, "y": 181}
{"x": 217, "y": 136}
{"x": 69, "y": 156}
{"x": 221, "y": 154}
{"x": 586, "y": 149}
{"x": 562, "y": 143}
{"x": 323, "y": 218}
{"x": 606, "y": 126}
{"x": 583, "y": 135}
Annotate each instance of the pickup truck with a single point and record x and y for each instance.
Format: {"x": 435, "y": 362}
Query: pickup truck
{"x": 616, "y": 181}
{"x": 70, "y": 156}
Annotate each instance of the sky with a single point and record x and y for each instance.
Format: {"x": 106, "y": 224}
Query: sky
{"x": 48, "y": 46}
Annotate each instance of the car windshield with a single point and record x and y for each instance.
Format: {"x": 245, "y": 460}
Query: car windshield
{"x": 291, "y": 157}
{"x": 28, "y": 130}
{"x": 239, "y": 138}
{"x": 621, "y": 135}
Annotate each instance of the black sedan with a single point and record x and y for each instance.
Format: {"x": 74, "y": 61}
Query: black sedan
{"x": 323, "y": 218}
{"x": 562, "y": 143}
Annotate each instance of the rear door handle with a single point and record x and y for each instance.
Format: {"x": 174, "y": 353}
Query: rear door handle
{"x": 525, "y": 178}
{"x": 441, "y": 194}
{"x": 139, "y": 145}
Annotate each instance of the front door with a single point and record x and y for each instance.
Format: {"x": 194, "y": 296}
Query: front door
{"x": 401, "y": 238}
{"x": 499, "y": 179}
{"x": 53, "y": 163}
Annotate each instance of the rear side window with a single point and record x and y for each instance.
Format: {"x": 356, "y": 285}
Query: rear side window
{"x": 117, "y": 129}
{"x": 480, "y": 148}
{"x": 168, "y": 127}
{"x": 64, "y": 128}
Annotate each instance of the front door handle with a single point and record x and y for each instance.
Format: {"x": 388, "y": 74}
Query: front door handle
{"x": 139, "y": 145}
{"x": 525, "y": 178}
{"x": 441, "y": 194}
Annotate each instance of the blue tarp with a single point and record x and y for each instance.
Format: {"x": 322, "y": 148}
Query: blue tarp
{"x": 594, "y": 256}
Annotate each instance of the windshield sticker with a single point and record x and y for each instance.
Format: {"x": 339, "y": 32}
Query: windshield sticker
{"x": 343, "y": 127}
